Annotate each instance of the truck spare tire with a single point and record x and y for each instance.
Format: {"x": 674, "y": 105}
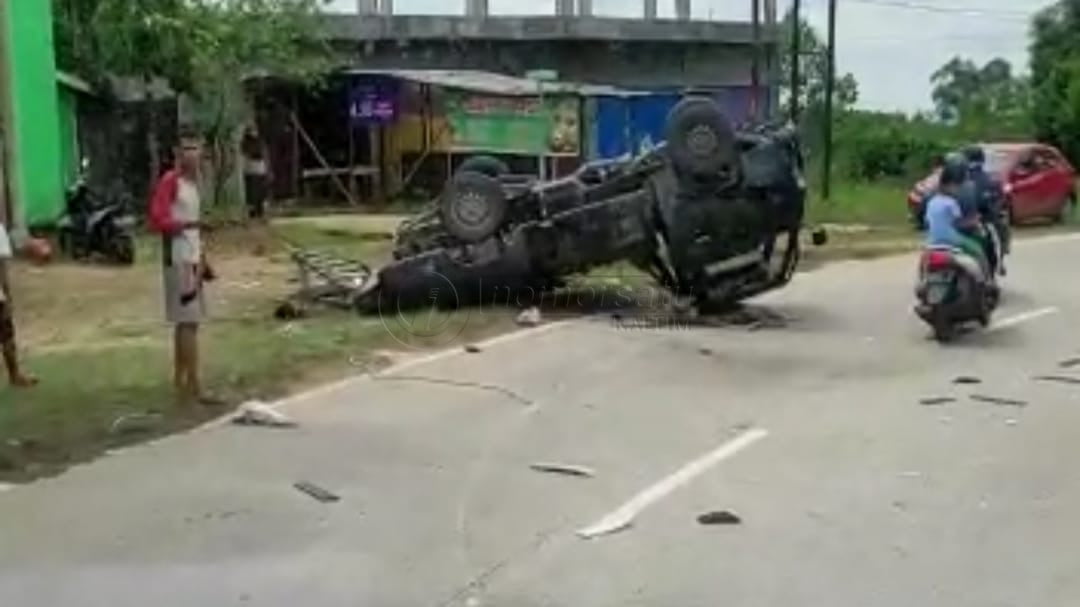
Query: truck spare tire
{"x": 473, "y": 206}
{"x": 485, "y": 165}
{"x": 700, "y": 138}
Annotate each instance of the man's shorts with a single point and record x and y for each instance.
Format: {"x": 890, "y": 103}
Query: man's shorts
{"x": 7, "y": 325}
{"x": 178, "y": 312}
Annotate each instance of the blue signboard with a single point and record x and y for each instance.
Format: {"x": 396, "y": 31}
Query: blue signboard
{"x": 374, "y": 100}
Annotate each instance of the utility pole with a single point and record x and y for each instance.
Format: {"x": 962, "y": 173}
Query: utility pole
{"x": 826, "y": 178}
{"x": 796, "y": 58}
{"x": 755, "y": 68}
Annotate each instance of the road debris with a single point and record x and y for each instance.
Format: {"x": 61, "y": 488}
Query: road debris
{"x": 473, "y": 349}
{"x": 529, "y": 318}
{"x": 135, "y": 423}
{"x": 458, "y": 384}
{"x": 1070, "y": 363}
{"x": 911, "y": 474}
{"x": 258, "y": 413}
{"x": 967, "y": 381}
{"x": 1061, "y": 379}
{"x": 565, "y": 469}
{"x": 993, "y": 400}
{"x": 706, "y": 352}
{"x": 316, "y": 492}
{"x": 1011, "y": 422}
{"x": 936, "y": 401}
{"x": 722, "y": 517}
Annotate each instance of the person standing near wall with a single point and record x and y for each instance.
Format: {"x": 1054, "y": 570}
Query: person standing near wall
{"x": 256, "y": 173}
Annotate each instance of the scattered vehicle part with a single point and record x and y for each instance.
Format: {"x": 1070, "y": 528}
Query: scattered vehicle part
{"x": 722, "y": 517}
{"x": 1070, "y": 363}
{"x": 1011, "y": 422}
{"x": 1061, "y": 379}
{"x": 257, "y": 413}
{"x": 993, "y": 400}
{"x": 529, "y": 318}
{"x": 965, "y": 380}
{"x": 316, "y": 492}
{"x": 135, "y": 423}
{"x": 937, "y": 401}
{"x": 566, "y": 469}
{"x": 472, "y": 349}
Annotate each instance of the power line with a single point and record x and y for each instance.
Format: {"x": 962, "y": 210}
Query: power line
{"x": 952, "y": 10}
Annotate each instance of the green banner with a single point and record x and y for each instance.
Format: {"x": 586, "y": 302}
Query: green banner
{"x": 514, "y": 125}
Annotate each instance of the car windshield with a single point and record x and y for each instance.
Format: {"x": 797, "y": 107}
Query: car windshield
{"x": 997, "y": 160}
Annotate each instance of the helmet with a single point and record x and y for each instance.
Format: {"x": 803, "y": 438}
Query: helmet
{"x": 975, "y": 155}
{"x": 954, "y": 171}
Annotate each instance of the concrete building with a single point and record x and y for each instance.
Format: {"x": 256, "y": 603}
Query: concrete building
{"x": 646, "y": 53}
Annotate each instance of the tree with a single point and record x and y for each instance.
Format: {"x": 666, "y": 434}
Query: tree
{"x": 813, "y": 70}
{"x": 1055, "y": 72}
{"x": 986, "y": 101}
{"x": 233, "y": 39}
{"x": 201, "y": 48}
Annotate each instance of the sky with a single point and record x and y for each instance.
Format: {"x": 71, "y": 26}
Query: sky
{"x": 891, "y": 46}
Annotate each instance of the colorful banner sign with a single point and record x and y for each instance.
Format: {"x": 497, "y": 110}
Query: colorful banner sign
{"x": 549, "y": 126}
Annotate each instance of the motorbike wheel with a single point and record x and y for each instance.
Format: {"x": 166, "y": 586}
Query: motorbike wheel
{"x": 944, "y": 329}
{"x": 123, "y": 249}
{"x": 473, "y": 207}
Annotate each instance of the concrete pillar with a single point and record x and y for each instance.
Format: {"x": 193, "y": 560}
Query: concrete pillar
{"x": 367, "y": 7}
{"x": 682, "y": 10}
{"x": 585, "y": 8}
{"x": 564, "y": 8}
{"x": 386, "y": 7}
{"x": 476, "y": 8}
{"x": 650, "y": 9}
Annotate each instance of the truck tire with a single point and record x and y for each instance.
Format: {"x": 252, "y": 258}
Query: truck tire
{"x": 473, "y": 206}
{"x": 485, "y": 165}
{"x": 700, "y": 138}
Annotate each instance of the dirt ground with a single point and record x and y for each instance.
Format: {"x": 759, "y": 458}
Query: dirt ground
{"x": 96, "y": 338}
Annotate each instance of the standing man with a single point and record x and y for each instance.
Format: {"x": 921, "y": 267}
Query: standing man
{"x": 175, "y": 213}
{"x": 16, "y": 376}
{"x": 256, "y": 173}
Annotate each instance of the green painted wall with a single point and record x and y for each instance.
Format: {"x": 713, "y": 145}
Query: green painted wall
{"x": 35, "y": 162}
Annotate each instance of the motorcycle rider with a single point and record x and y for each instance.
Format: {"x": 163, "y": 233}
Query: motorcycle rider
{"x": 989, "y": 197}
{"x": 948, "y": 222}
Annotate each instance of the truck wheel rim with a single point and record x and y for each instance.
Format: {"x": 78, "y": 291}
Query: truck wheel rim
{"x": 471, "y": 208}
{"x": 702, "y": 140}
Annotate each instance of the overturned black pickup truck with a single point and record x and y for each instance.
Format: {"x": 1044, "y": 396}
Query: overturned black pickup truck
{"x": 712, "y": 214}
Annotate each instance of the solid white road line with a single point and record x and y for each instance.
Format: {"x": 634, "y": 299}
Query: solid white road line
{"x": 1012, "y": 321}
{"x": 623, "y": 517}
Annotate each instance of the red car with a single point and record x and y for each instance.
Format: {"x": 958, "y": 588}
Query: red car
{"x": 1038, "y": 182}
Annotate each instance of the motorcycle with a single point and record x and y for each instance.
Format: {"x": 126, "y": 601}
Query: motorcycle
{"x": 93, "y": 225}
{"x": 953, "y": 290}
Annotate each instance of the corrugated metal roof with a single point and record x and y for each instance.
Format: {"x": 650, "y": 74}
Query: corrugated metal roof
{"x": 493, "y": 83}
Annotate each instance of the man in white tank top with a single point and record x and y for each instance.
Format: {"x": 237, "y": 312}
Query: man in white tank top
{"x": 175, "y": 213}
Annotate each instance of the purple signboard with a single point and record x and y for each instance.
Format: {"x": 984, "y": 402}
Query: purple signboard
{"x": 373, "y": 101}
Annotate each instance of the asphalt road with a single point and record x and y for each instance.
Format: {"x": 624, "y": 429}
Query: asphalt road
{"x": 849, "y": 490}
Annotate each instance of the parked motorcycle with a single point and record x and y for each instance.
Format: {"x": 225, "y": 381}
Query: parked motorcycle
{"x": 953, "y": 290}
{"x": 96, "y": 225}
